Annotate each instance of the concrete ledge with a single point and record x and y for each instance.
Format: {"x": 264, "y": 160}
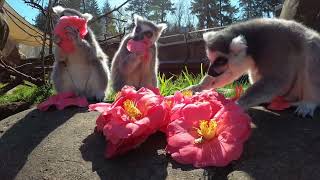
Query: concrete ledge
{"x": 63, "y": 145}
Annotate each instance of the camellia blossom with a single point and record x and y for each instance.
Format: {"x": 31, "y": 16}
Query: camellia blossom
{"x": 63, "y": 100}
{"x": 132, "y": 117}
{"x": 80, "y": 24}
{"x": 209, "y": 130}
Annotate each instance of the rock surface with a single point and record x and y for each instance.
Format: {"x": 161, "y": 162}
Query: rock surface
{"x": 63, "y": 145}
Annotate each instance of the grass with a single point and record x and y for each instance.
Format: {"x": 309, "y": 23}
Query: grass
{"x": 167, "y": 85}
{"x": 27, "y": 93}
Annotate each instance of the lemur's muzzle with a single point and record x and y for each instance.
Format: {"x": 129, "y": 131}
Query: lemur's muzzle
{"x": 218, "y": 67}
{"x": 138, "y": 37}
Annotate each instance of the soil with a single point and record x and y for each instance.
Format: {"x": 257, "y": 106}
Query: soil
{"x": 10, "y": 109}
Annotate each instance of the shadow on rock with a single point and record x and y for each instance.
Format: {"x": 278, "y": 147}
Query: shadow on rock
{"x": 25, "y": 135}
{"x": 282, "y": 146}
{"x": 148, "y": 161}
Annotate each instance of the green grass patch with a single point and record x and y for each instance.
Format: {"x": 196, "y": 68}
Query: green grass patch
{"x": 27, "y": 93}
{"x": 168, "y": 85}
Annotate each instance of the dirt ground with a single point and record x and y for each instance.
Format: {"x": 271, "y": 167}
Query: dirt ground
{"x": 63, "y": 145}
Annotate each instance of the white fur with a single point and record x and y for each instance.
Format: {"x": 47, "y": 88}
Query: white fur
{"x": 137, "y": 18}
{"x": 87, "y": 16}
{"x": 58, "y": 9}
{"x": 238, "y": 45}
{"x": 162, "y": 26}
{"x": 207, "y": 35}
{"x": 306, "y": 108}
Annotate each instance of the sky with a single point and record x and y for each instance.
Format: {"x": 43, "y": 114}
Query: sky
{"x": 30, "y": 13}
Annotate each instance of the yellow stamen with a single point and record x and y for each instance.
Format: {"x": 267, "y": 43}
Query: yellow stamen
{"x": 206, "y": 131}
{"x": 168, "y": 102}
{"x": 131, "y": 109}
{"x": 187, "y": 93}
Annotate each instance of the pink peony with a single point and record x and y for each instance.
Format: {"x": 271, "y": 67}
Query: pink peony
{"x": 209, "y": 130}
{"x": 278, "y": 103}
{"x": 63, "y": 100}
{"x": 60, "y": 29}
{"x": 130, "y": 119}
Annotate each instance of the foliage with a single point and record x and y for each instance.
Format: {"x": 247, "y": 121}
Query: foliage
{"x": 213, "y": 13}
{"x": 91, "y": 6}
{"x": 40, "y": 21}
{"x": 169, "y": 85}
{"x": 109, "y": 23}
{"x": 74, "y": 4}
{"x": 258, "y": 8}
{"x": 139, "y": 7}
{"x": 159, "y": 9}
{"x": 30, "y": 94}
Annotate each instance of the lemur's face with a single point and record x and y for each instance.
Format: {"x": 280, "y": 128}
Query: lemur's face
{"x": 228, "y": 57}
{"x": 146, "y": 30}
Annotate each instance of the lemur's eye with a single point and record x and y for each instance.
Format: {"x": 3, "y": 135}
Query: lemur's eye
{"x": 138, "y": 29}
{"x": 220, "y": 61}
{"x": 148, "y": 34}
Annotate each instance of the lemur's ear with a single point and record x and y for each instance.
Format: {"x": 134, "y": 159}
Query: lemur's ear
{"x": 137, "y": 18}
{"x": 58, "y": 9}
{"x": 206, "y": 36}
{"x": 87, "y": 16}
{"x": 238, "y": 45}
{"x": 162, "y": 26}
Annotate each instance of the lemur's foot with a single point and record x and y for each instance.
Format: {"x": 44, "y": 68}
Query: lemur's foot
{"x": 306, "y": 109}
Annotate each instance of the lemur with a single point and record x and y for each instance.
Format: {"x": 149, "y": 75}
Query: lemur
{"x": 281, "y": 57}
{"x": 84, "y": 71}
{"x": 138, "y": 69}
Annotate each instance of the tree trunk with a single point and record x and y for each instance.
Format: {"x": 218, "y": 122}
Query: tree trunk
{"x": 304, "y": 11}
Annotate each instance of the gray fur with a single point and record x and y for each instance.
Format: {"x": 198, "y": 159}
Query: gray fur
{"x": 282, "y": 59}
{"x": 84, "y": 71}
{"x": 131, "y": 68}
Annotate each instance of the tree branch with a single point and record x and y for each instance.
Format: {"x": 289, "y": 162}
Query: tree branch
{"x": 33, "y": 4}
{"x": 15, "y": 72}
{"x": 110, "y": 12}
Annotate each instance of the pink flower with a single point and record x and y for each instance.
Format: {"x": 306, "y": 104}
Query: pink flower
{"x": 133, "y": 116}
{"x": 63, "y": 100}
{"x": 238, "y": 92}
{"x": 180, "y": 99}
{"x": 279, "y": 103}
{"x": 77, "y": 23}
{"x": 208, "y": 131}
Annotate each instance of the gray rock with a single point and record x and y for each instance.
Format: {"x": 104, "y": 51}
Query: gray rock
{"x": 63, "y": 145}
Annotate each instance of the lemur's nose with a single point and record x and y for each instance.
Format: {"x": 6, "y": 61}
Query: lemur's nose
{"x": 138, "y": 37}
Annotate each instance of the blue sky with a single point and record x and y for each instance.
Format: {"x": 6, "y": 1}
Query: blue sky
{"x": 30, "y": 13}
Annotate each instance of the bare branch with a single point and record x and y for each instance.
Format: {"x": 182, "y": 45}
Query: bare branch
{"x": 110, "y": 12}
{"x": 36, "y": 5}
{"x": 117, "y": 19}
{"x": 17, "y": 73}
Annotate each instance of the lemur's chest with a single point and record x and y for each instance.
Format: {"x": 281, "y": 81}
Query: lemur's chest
{"x": 78, "y": 65}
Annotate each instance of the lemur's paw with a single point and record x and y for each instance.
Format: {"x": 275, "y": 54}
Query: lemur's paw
{"x": 100, "y": 96}
{"x": 73, "y": 33}
{"x": 306, "y": 109}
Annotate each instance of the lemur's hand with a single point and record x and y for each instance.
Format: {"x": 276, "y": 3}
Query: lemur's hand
{"x": 56, "y": 39}
{"x": 73, "y": 33}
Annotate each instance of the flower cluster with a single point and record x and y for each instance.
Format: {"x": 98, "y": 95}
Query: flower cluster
{"x": 203, "y": 129}
{"x": 132, "y": 117}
